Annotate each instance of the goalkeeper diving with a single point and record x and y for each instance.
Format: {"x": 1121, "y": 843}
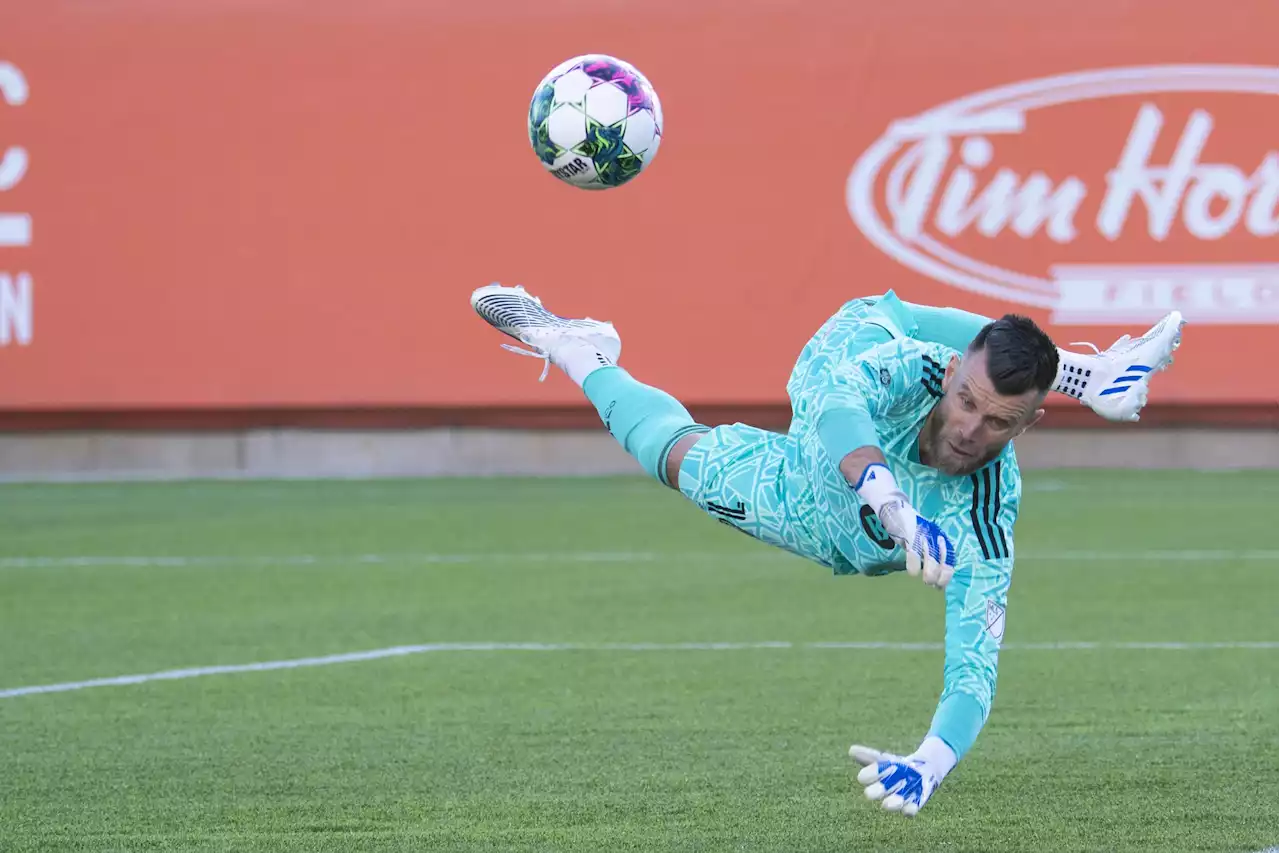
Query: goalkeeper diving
{"x": 899, "y": 456}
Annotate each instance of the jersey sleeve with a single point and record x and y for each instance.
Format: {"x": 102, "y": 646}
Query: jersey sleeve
{"x": 976, "y": 601}
{"x": 894, "y": 376}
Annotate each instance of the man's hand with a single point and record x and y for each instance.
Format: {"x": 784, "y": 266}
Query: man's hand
{"x": 930, "y": 553}
{"x": 900, "y": 783}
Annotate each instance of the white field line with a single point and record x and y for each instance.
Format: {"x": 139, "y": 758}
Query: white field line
{"x": 429, "y": 558}
{"x": 401, "y": 651}
{"x": 161, "y": 561}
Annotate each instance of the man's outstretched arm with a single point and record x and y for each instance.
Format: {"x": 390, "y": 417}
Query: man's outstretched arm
{"x": 975, "y": 624}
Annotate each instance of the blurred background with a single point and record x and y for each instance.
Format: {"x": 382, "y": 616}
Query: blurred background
{"x": 358, "y": 605}
{"x": 237, "y": 238}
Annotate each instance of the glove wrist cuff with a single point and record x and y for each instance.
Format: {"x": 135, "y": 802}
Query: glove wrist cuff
{"x": 938, "y": 758}
{"x": 876, "y": 487}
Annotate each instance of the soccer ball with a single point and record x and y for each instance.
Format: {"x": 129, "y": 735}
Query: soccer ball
{"x": 595, "y": 122}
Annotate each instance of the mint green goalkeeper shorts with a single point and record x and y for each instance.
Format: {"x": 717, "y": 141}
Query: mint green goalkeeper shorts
{"x": 769, "y": 485}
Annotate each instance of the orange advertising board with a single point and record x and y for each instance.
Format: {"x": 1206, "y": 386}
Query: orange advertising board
{"x": 287, "y": 203}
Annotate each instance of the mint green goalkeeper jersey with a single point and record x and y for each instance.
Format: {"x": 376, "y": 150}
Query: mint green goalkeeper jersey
{"x": 882, "y": 397}
{"x": 863, "y": 380}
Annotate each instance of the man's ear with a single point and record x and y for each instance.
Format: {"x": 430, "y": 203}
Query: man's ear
{"x": 1029, "y": 424}
{"x": 952, "y": 367}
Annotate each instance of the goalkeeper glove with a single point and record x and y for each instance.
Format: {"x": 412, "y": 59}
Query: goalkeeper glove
{"x": 930, "y": 553}
{"x": 904, "y": 783}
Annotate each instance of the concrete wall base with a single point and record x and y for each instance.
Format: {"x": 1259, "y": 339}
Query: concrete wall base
{"x": 301, "y": 453}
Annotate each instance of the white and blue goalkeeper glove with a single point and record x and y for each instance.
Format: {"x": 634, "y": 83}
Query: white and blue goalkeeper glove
{"x": 930, "y": 552}
{"x": 903, "y": 783}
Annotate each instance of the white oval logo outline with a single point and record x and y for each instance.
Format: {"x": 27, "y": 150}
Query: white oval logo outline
{"x": 1005, "y": 106}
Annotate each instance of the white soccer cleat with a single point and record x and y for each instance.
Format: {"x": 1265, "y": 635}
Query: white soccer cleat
{"x": 519, "y": 314}
{"x": 1114, "y": 382}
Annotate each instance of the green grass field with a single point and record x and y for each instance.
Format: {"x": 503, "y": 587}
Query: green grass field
{"x": 1116, "y": 746}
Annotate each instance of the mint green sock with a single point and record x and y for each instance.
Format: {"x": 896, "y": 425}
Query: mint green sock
{"x": 950, "y": 327}
{"x": 646, "y": 421}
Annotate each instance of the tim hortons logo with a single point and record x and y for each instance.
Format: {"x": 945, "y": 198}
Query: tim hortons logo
{"x": 1033, "y": 193}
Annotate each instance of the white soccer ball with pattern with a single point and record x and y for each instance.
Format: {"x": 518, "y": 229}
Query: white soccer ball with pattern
{"x": 595, "y": 122}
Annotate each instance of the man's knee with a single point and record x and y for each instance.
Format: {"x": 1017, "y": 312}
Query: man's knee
{"x": 648, "y": 422}
{"x": 675, "y": 457}
{"x": 652, "y": 442}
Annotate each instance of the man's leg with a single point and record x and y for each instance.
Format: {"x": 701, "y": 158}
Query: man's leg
{"x": 950, "y": 327}
{"x": 861, "y": 324}
{"x": 648, "y": 422}
{"x": 749, "y": 479}
{"x": 1113, "y": 383}
{"x": 734, "y": 472}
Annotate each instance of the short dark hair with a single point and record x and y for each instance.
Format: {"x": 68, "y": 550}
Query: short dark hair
{"x": 1020, "y": 356}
